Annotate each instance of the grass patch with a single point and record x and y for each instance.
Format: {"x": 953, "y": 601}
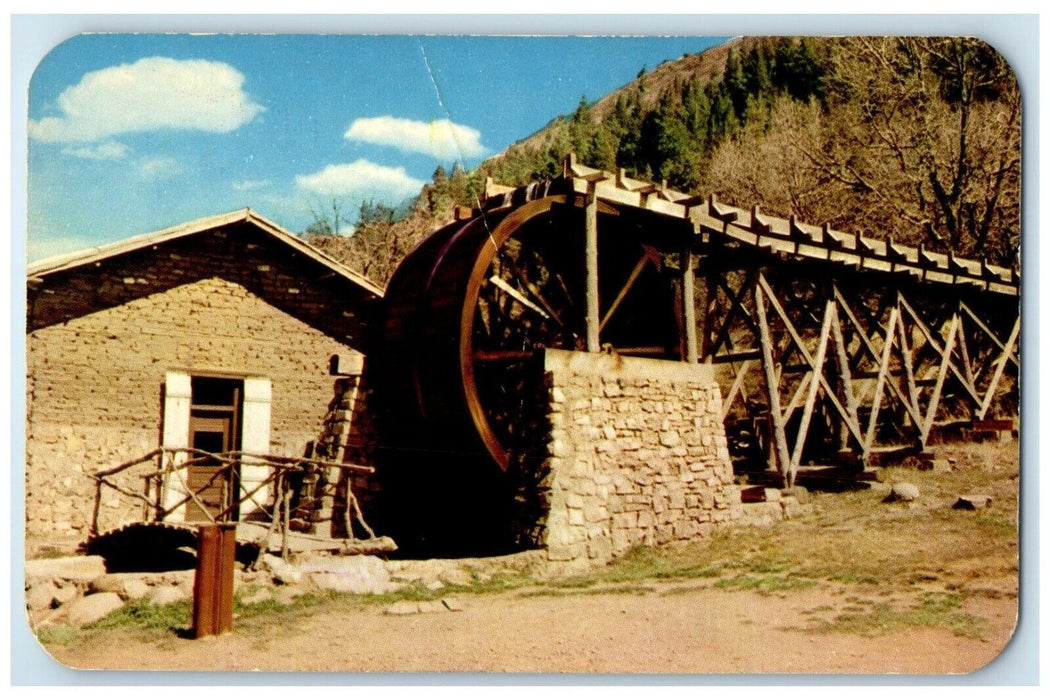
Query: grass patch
{"x": 141, "y": 615}
{"x": 765, "y": 584}
{"x": 58, "y": 635}
{"x": 933, "y": 610}
{"x": 630, "y": 588}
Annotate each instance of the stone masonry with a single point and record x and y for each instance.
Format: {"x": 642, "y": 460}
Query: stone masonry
{"x": 102, "y": 336}
{"x": 637, "y": 456}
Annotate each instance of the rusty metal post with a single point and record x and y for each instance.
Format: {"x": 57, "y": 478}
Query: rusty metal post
{"x": 213, "y": 583}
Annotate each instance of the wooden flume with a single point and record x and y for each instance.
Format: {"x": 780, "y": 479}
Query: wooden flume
{"x": 876, "y": 342}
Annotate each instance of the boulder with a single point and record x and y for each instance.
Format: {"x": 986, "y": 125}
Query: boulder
{"x": 64, "y": 594}
{"x": 82, "y": 569}
{"x": 903, "y": 491}
{"x": 282, "y": 571}
{"x": 358, "y": 574}
{"x": 40, "y": 596}
{"x": 972, "y": 501}
{"x": 801, "y": 493}
{"x": 127, "y": 586}
{"x": 135, "y": 588}
{"x": 167, "y": 594}
{"x": 92, "y": 608}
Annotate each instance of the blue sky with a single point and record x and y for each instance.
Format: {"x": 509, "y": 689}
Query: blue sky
{"x": 130, "y": 133}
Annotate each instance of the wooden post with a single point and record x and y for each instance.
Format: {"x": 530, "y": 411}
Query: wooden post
{"x": 591, "y": 231}
{"x": 998, "y": 374}
{"x": 689, "y": 305}
{"x": 807, "y": 409}
{"x": 772, "y": 384}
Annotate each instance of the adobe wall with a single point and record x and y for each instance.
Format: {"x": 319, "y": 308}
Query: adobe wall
{"x": 637, "y": 456}
{"x": 95, "y": 382}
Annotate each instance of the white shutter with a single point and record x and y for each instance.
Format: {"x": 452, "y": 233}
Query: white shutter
{"x": 177, "y": 397}
{"x": 255, "y": 439}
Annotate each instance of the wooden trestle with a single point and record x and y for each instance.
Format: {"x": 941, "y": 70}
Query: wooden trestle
{"x": 875, "y": 342}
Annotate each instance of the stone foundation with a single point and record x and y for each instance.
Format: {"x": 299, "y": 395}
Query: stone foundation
{"x": 637, "y": 455}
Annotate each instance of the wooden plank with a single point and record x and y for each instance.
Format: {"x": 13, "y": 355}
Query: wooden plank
{"x": 689, "y": 306}
{"x": 591, "y": 262}
{"x": 989, "y": 333}
{"x": 845, "y": 378}
{"x": 738, "y": 382}
{"x": 931, "y": 339}
{"x": 811, "y": 398}
{"x": 854, "y": 428}
{"x": 796, "y": 398}
{"x": 884, "y": 368}
{"x": 910, "y": 406}
{"x": 909, "y": 376}
{"x": 964, "y": 356}
{"x": 942, "y": 372}
{"x": 999, "y": 366}
{"x": 650, "y": 255}
{"x": 772, "y": 384}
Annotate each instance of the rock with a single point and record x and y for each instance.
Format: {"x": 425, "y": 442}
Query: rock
{"x": 135, "y": 589}
{"x": 457, "y": 577}
{"x": 41, "y": 596}
{"x": 82, "y": 569}
{"x": 92, "y": 608}
{"x": 64, "y": 594}
{"x": 972, "y": 502}
{"x": 903, "y": 491}
{"x": 166, "y": 595}
{"x": 359, "y": 574}
{"x": 127, "y": 586}
{"x": 801, "y": 493}
{"x": 283, "y": 572}
{"x": 432, "y": 606}
{"x": 771, "y": 495}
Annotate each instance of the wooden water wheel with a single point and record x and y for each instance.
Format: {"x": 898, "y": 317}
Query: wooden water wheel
{"x": 468, "y": 312}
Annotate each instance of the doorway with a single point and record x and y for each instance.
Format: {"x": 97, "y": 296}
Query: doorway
{"x": 215, "y": 417}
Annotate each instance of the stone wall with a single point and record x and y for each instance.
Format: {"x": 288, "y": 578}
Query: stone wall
{"x": 348, "y": 436}
{"x": 101, "y": 339}
{"x": 637, "y": 456}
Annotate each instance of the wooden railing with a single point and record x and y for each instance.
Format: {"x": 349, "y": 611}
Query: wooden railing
{"x": 172, "y": 470}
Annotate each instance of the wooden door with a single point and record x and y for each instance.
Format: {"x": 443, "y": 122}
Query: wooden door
{"x": 211, "y": 431}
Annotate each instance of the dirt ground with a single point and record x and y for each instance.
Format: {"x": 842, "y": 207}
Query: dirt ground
{"x": 668, "y": 629}
{"x": 857, "y": 586}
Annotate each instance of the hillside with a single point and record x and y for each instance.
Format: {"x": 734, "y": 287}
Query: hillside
{"x": 917, "y": 138}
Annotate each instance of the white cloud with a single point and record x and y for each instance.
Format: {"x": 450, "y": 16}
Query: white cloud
{"x": 442, "y": 139}
{"x": 107, "y": 150}
{"x": 361, "y": 178}
{"x": 247, "y": 185}
{"x": 158, "y": 168}
{"x": 150, "y": 94}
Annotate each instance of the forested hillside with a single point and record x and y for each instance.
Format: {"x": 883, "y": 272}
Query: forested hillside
{"x": 915, "y": 138}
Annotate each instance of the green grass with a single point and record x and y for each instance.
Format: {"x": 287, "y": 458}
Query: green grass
{"x": 628, "y": 588}
{"x": 933, "y": 610}
{"x": 764, "y": 584}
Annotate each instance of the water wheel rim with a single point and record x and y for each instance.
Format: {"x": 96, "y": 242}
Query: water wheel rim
{"x": 487, "y": 251}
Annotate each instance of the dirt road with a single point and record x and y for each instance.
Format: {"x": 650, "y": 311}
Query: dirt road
{"x": 666, "y": 629}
